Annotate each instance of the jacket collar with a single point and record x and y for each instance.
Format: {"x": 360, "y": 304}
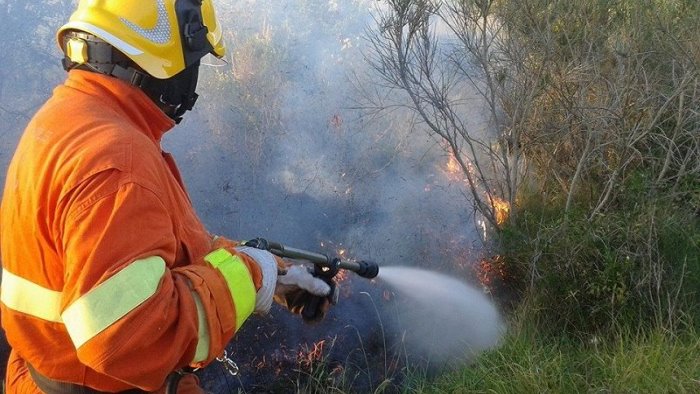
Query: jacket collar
{"x": 125, "y": 98}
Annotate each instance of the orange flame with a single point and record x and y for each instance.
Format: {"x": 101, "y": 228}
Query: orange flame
{"x": 501, "y": 209}
{"x": 500, "y": 206}
{"x": 307, "y": 359}
{"x": 491, "y": 270}
{"x": 452, "y": 164}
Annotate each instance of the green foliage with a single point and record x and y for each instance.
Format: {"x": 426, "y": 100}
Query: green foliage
{"x": 616, "y": 85}
{"x": 531, "y": 363}
{"x": 606, "y": 228}
{"x": 636, "y": 266}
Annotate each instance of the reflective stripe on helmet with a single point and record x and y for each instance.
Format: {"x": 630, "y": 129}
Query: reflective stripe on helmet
{"x": 116, "y": 42}
{"x": 112, "y": 299}
{"x": 239, "y": 281}
{"x": 27, "y": 297}
{"x": 202, "y": 351}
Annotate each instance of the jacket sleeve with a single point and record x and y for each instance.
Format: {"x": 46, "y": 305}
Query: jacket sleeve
{"x": 129, "y": 314}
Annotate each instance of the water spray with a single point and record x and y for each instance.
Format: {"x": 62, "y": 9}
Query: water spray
{"x": 468, "y": 321}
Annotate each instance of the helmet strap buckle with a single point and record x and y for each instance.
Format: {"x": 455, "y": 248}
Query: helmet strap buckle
{"x": 129, "y": 75}
{"x": 77, "y": 50}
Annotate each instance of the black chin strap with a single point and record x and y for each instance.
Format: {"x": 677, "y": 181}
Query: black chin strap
{"x": 174, "y": 96}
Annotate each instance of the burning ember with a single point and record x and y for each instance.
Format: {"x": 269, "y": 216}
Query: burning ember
{"x": 309, "y": 356}
{"x": 491, "y": 273}
{"x": 341, "y": 276}
{"x": 387, "y": 295}
{"x": 337, "y": 250}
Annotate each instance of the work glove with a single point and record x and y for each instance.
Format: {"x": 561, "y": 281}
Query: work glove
{"x": 269, "y": 265}
{"x": 304, "y": 294}
{"x": 291, "y": 286}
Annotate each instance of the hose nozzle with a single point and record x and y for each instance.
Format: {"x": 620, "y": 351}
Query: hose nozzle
{"x": 367, "y": 269}
{"x": 325, "y": 265}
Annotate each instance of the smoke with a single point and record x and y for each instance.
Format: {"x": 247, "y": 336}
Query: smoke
{"x": 279, "y": 148}
{"x": 441, "y": 318}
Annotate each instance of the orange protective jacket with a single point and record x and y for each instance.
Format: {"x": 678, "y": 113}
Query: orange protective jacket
{"x": 105, "y": 282}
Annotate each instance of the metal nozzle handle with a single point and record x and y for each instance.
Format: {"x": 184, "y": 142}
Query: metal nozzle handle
{"x": 366, "y": 269}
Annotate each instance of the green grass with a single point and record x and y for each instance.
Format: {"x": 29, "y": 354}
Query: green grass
{"x": 658, "y": 362}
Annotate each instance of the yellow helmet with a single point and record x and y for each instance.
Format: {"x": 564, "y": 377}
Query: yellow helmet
{"x": 163, "y": 37}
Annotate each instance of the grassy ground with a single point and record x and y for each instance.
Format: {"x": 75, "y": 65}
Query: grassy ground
{"x": 529, "y": 363}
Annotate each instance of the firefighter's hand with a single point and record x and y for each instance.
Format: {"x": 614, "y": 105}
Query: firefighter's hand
{"x": 302, "y": 293}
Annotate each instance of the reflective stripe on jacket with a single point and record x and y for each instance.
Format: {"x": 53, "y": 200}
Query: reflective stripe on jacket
{"x": 104, "y": 280}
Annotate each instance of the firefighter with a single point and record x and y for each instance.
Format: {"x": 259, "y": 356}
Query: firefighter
{"x": 110, "y": 281}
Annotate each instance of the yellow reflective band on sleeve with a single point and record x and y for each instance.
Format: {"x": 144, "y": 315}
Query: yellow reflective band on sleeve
{"x": 105, "y": 304}
{"x": 239, "y": 282}
{"x": 27, "y": 297}
{"x": 202, "y": 351}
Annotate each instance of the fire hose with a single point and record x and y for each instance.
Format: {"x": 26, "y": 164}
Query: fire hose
{"x": 325, "y": 267}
